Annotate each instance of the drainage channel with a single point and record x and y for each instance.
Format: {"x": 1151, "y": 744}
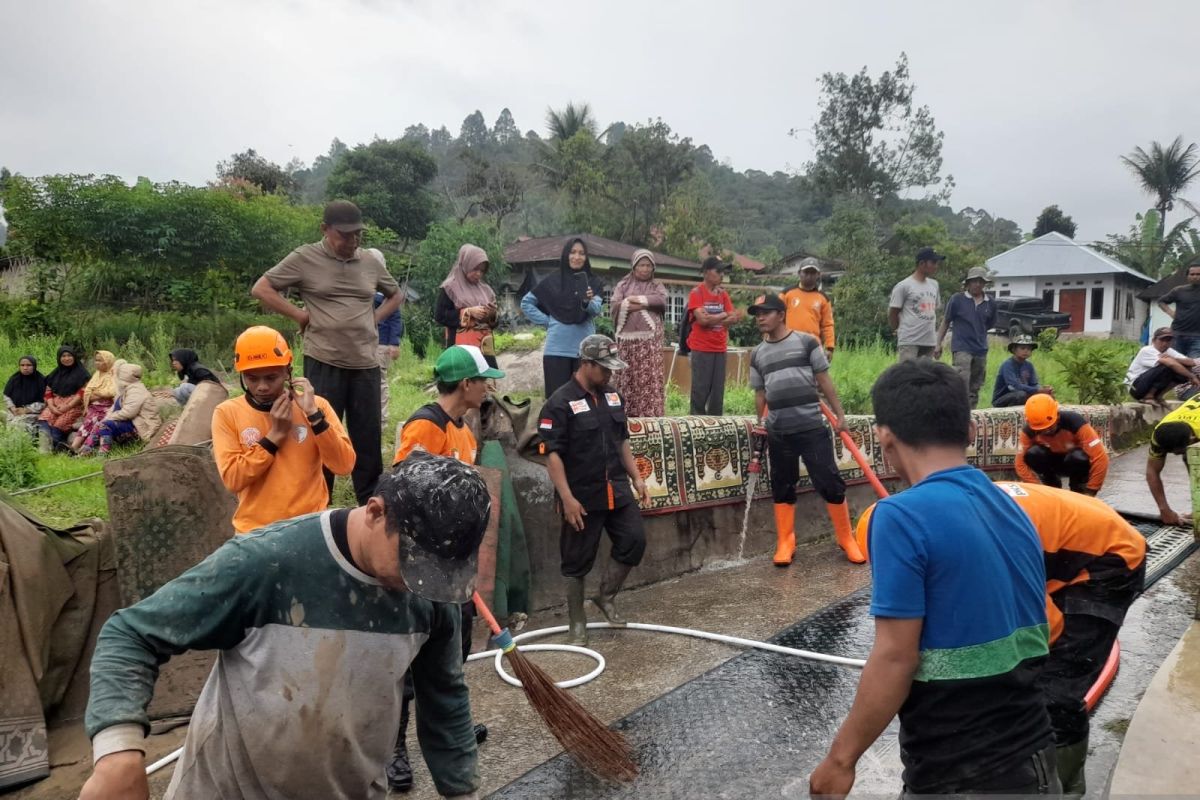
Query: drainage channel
{"x": 758, "y": 724}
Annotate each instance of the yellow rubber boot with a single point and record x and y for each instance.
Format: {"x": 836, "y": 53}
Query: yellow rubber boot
{"x": 839, "y": 515}
{"x": 785, "y": 533}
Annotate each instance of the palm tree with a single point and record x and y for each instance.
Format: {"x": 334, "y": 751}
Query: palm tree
{"x": 1165, "y": 173}
{"x": 569, "y": 121}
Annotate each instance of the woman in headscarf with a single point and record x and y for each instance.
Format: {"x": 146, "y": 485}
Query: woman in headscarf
{"x": 638, "y": 304}
{"x": 466, "y": 305}
{"x": 191, "y": 372}
{"x": 25, "y": 394}
{"x": 64, "y": 400}
{"x": 98, "y": 396}
{"x": 565, "y": 305}
{"x": 134, "y": 414}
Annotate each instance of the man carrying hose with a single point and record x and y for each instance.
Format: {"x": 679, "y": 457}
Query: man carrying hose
{"x": 786, "y": 371}
{"x": 316, "y": 620}
{"x": 461, "y": 374}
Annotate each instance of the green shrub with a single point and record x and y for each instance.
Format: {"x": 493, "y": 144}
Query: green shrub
{"x": 1046, "y": 339}
{"x": 1095, "y": 368}
{"x": 18, "y": 459}
{"x": 419, "y": 328}
{"x": 604, "y": 325}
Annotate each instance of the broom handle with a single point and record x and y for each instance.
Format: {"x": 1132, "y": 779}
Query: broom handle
{"x": 848, "y": 441}
{"x": 486, "y": 613}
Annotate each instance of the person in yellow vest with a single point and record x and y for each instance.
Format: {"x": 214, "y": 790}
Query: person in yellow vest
{"x": 1171, "y": 436}
{"x": 271, "y": 443}
{"x": 809, "y": 309}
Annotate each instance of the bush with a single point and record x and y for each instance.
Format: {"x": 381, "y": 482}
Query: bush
{"x": 1095, "y": 368}
{"x": 18, "y": 459}
{"x": 1047, "y": 339}
{"x": 419, "y": 328}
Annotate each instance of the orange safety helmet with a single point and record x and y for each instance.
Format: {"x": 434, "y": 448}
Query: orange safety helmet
{"x": 862, "y": 529}
{"x": 1041, "y": 412}
{"x": 260, "y": 347}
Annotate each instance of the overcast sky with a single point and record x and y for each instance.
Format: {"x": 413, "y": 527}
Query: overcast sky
{"x": 1037, "y": 100}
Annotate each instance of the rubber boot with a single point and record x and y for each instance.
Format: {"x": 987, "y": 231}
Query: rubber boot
{"x": 578, "y": 633}
{"x": 1071, "y": 759}
{"x": 614, "y": 579}
{"x": 399, "y": 771}
{"x": 839, "y": 515}
{"x": 785, "y": 533}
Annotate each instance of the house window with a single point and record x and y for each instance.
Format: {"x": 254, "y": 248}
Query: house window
{"x": 1129, "y": 305}
{"x": 676, "y": 305}
{"x": 1048, "y": 298}
{"x": 1004, "y": 284}
{"x": 1003, "y": 293}
{"x": 1116, "y": 304}
{"x": 1097, "y": 304}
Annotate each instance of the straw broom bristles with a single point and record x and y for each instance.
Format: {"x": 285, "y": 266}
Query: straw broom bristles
{"x": 602, "y": 751}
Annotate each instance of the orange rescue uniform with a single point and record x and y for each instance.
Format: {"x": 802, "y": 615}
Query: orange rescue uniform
{"x": 431, "y": 429}
{"x": 810, "y": 312}
{"x": 271, "y": 487}
{"x": 1073, "y": 432}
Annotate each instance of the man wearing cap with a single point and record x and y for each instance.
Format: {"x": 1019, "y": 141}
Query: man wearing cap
{"x": 461, "y": 373}
{"x": 1056, "y": 443}
{"x": 337, "y": 281}
{"x": 584, "y": 433}
{"x": 712, "y": 313}
{"x": 1185, "y": 316}
{"x": 315, "y": 620}
{"x": 912, "y": 310}
{"x": 1157, "y": 368}
{"x": 809, "y": 309}
{"x": 786, "y": 371}
{"x": 1017, "y": 380}
{"x": 271, "y": 444}
{"x": 1171, "y": 436}
{"x": 971, "y": 313}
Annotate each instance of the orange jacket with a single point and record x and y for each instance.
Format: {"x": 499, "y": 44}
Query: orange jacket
{"x": 811, "y": 313}
{"x": 431, "y": 429}
{"x": 1086, "y": 544}
{"x": 1072, "y": 432}
{"x": 287, "y": 484}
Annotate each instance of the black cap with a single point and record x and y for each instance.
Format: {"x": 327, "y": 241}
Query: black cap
{"x": 712, "y": 262}
{"x": 767, "y": 302}
{"x": 343, "y": 216}
{"x": 441, "y": 508}
{"x": 929, "y": 254}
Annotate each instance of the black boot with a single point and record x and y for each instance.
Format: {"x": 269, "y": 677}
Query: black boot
{"x": 480, "y": 733}
{"x": 399, "y": 771}
{"x": 578, "y": 633}
{"x": 614, "y": 579}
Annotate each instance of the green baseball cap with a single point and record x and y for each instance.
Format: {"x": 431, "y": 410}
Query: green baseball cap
{"x": 463, "y": 361}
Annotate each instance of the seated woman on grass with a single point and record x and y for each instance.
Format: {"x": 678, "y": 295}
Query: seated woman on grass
{"x": 25, "y": 395}
{"x": 98, "y": 396}
{"x": 133, "y": 416}
{"x": 64, "y": 400}
{"x": 191, "y": 372}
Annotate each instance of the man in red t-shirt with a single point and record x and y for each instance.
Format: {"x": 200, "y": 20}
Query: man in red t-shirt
{"x": 711, "y": 311}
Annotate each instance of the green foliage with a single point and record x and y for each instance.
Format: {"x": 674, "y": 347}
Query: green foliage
{"x": 693, "y": 219}
{"x": 1053, "y": 219}
{"x": 1095, "y": 368}
{"x": 437, "y": 253}
{"x": 1147, "y": 249}
{"x": 419, "y": 328}
{"x": 254, "y": 169}
{"x": 1046, "y": 339}
{"x": 18, "y": 459}
{"x": 521, "y": 342}
{"x": 388, "y": 180}
{"x": 1165, "y": 172}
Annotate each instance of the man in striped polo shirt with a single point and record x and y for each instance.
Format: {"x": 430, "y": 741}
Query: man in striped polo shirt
{"x": 785, "y": 372}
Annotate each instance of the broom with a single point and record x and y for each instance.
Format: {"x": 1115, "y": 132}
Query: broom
{"x": 601, "y": 751}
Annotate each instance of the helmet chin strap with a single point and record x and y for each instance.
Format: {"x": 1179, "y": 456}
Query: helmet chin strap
{"x": 257, "y": 406}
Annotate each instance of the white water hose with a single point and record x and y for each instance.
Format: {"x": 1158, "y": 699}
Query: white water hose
{"x": 498, "y": 655}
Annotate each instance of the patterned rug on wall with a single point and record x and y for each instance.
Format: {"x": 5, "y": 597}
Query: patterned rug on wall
{"x": 694, "y": 462}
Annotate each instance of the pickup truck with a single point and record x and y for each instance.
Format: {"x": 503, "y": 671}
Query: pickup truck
{"x": 1017, "y": 315}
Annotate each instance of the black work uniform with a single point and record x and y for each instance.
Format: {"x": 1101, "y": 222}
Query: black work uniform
{"x": 587, "y": 432}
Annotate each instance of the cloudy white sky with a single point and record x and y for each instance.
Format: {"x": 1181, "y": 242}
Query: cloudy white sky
{"x": 1037, "y": 100}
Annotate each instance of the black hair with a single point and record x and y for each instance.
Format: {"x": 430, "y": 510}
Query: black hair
{"x": 1194, "y": 265}
{"x": 1172, "y": 437}
{"x": 924, "y": 403}
{"x": 447, "y": 387}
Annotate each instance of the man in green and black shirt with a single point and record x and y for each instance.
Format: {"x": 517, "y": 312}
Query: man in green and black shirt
{"x": 316, "y": 619}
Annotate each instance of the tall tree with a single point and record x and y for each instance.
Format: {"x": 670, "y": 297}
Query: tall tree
{"x": 1147, "y": 249}
{"x": 870, "y": 140}
{"x": 388, "y": 179}
{"x": 417, "y": 133}
{"x": 474, "y": 132}
{"x": 572, "y": 119}
{"x": 310, "y": 183}
{"x": 1165, "y": 173}
{"x": 1053, "y": 219}
{"x": 250, "y": 166}
{"x": 505, "y": 130}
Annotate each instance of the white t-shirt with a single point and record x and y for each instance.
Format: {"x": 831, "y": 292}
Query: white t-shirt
{"x": 1146, "y": 358}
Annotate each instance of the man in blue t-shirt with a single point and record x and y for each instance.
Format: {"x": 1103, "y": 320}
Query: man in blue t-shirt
{"x": 970, "y": 314}
{"x": 960, "y": 618}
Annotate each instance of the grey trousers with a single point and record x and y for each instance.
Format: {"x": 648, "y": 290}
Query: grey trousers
{"x": 907, "y": 352}
{"x": 708, "y": 383}
{"x": 972, "y": 368}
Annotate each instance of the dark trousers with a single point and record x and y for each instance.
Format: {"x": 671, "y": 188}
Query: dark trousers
{"x": 1155, "y": 381}
{"x": 1009, "y": 399}
{"x": 816, "y": 448}
{"x": 557, "y": 370}
{"x": 1052, "y": 467}
{"x": 708, "y": 383}
{"x": 625, "y": 530}
{"x": 1075, "y": 661}
{"x": 1037, "y": 774}
{"x": 354, "y": 396}
{"x": 467, "y": 616}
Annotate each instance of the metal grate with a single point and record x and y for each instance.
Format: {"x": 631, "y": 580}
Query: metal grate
{"x": 1165, "y": 548}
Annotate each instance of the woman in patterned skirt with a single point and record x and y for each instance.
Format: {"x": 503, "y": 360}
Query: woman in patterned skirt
{"x": 638, "y": 303}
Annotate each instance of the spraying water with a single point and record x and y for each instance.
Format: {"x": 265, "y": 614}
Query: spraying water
{"x": 758, "y": 443}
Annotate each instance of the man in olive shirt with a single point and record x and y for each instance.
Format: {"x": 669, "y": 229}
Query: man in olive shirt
{"x": 1185, "y": 317}
{"x": 337, "y": 281}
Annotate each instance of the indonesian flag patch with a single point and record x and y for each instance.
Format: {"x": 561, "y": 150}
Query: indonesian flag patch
{"x": 545, "y": 424}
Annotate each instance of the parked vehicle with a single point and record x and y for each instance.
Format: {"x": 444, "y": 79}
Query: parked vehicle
{"x": 1017, "y": 315}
